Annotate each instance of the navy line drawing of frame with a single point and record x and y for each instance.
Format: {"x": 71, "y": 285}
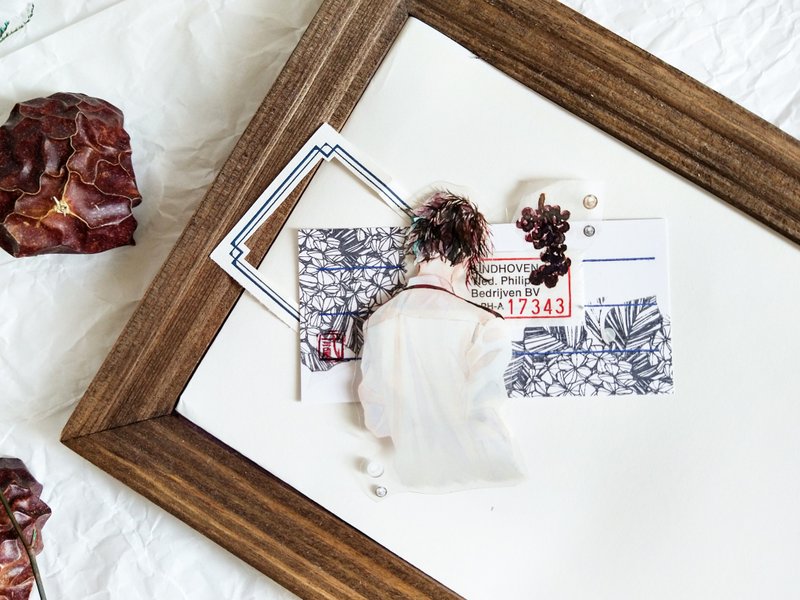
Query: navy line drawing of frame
{"x": 326, "y": 144}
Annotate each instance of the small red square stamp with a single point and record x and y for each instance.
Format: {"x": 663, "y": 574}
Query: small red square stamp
{"x": 330, "y": 345}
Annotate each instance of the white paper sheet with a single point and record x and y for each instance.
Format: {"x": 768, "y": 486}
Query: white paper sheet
{"x": 631, "y": 495}
{"x": 49, "y": 17}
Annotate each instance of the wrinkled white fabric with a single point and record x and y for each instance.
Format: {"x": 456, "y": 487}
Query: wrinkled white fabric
{"x": 188, "y": 74}
{"x": 432, "y": 379}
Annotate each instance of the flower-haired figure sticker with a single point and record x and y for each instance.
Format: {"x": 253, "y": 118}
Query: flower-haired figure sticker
{"x": 432, "y": 362}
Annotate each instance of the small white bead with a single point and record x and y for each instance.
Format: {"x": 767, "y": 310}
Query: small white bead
{"x": 381, "y": 491}
{"x": 374, "y": 468}
{"x": 590, "y": 201}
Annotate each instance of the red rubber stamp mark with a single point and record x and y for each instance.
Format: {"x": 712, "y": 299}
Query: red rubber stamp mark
{"x": 330, "y": 345}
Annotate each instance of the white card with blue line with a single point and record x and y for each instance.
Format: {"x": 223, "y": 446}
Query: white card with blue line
{"x": 364, "y": 194}
{"x": 623, "y": 345}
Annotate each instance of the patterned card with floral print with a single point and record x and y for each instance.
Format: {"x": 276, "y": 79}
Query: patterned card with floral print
{"x": 344, "y": 275}
{"x": 623, "y": 348}
{"x": 621, "y": 345}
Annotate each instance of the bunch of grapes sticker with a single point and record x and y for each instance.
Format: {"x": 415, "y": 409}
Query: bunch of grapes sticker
{"x": 546, "y": 227}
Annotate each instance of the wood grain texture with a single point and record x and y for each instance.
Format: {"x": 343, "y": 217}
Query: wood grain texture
{"x": 125, "y": 422}
{"x": 190, "y": 297}
{"x": 635, "y": 97}
{"x": 252, "y": 513}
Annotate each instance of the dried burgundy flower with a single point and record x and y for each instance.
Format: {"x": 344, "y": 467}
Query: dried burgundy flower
{"x": 21, "y": 492}
{"x": 546, "y": 227}
{"x": 66, "y": 178}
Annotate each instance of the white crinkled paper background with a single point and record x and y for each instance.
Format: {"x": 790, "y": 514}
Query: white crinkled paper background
{"x": 189, "y": 74}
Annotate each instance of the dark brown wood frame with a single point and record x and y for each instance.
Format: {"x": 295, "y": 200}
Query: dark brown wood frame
{"x": 126, "y": 422}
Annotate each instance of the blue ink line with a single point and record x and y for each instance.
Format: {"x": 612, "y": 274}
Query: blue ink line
{"x": 290, "y": 183}
{"x": 622, "y": 304}
{"x": 618, "y": 259}
{"x": 623, "y": 351}
{"x": 333, "y": 314}
{"x": 359, "y": 268}
{"x": 372, "y": 178}
{"x": 242, "y": 267}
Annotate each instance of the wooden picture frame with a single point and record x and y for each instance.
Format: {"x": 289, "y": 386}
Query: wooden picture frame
{"x": 126, "y": 422}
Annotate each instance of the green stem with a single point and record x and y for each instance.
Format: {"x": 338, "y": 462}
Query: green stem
{"x": 31, "y": 556}
{"x": 5, "y": 34}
